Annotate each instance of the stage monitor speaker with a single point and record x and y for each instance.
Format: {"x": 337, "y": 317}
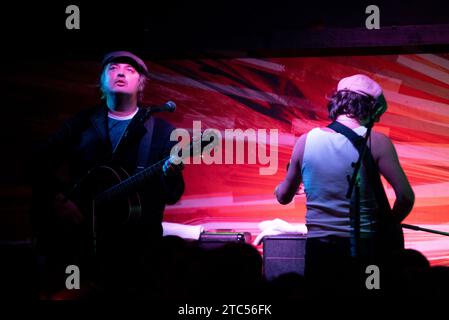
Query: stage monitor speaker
{"x": 284, "y": 253}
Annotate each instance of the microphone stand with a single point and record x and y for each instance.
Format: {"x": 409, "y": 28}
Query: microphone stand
{"x": 354, "y": 187}
{"x": 416, "y": 228}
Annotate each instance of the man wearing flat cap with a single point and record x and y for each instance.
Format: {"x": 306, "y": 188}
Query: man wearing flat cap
{"x": 118, "y": 133}
{"x": 323, "y": 160}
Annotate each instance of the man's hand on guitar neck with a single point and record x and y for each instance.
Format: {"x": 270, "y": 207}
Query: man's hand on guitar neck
{"x": 170, "y": 168}
{"x": 67, "y": 211}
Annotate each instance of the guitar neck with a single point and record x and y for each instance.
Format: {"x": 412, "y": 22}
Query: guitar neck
{"x": 132, "y": 183}
{"x": 139, "y": 179}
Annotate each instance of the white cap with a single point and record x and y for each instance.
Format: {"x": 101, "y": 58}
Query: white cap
{"x": 361, "y": 84}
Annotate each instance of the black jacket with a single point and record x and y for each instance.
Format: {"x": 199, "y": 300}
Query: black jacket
{"x": 81, "y": 144}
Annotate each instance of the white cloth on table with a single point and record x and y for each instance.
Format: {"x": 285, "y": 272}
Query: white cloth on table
{"x": 278, "y": 226}
{"x": 182, "y": 230}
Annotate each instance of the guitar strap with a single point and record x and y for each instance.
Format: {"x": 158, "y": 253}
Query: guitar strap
{"x": 145, "y": 145}
{"x": 390, "y": 238}
{"x": 369, "y": 163}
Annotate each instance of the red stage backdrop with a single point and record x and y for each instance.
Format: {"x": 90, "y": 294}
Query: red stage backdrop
{"x": 289, "y": 94}
{"x": 284, "y": 94}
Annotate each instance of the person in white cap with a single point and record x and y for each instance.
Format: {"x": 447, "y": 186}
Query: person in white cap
{"x": 117, "y": 135}
{"x": 322, "y": 159}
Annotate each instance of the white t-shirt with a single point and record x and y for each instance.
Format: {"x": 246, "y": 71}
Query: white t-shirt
{"x": 326, "y": 166}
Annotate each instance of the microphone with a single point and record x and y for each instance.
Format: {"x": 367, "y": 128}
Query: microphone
{"x": 169, "y": 106}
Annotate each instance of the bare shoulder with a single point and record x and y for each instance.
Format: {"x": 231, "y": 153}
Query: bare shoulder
{"x": 300, "y": 143}
{"x": 298, "y": 150}
{"x": 302, "y": 138}
{"x": 380, "y": 138}
{"x": 380, "y": 144}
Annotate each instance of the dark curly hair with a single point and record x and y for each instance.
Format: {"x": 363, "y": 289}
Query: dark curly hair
{"x": 352, "y": 104}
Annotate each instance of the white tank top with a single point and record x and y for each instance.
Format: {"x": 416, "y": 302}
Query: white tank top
{"x": 327, "y": 162}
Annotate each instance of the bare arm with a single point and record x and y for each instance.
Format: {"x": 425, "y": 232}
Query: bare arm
{"x": 286, "y": 190}
{"x": 385, "y": 154}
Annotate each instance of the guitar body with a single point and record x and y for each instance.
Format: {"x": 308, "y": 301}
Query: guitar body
{"x": 85, "y": 244}
{"x": 108, "y": 195}
{"x": 109, "y": 202}
{"x": 112, "y": 212}
{"x": 102, "y": 220}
